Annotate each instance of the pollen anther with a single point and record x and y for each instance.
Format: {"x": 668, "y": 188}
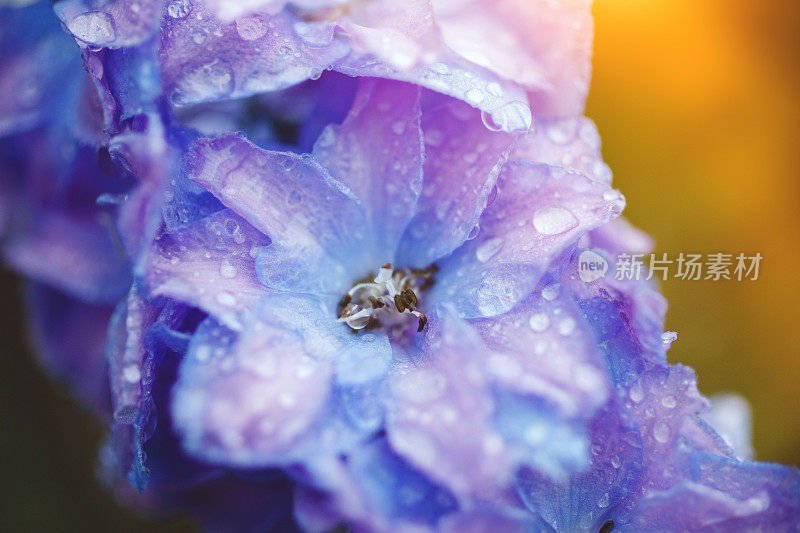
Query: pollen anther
{"x": 386, "y": 300}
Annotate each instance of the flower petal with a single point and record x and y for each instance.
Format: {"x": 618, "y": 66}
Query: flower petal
{"x": 288, "y": 197}
{"x": 661, "y": 402}
{"x": 73, "y": 254}
{"x": 544, "y": 347}
{"x": 244, "y": 402}
{"x": 543, "y": 45}
{"x": 489, "y": 274}
{"x": 203, "y": 58}
{"x": 462, "y": 161}
{"x": 375, "y": 490}
{"x": 440, "y": 419}
{"x": 730, "y": 416}
{"x": 582, "y": 502}
{"x": 398, "y": 34}
{"x": 571, "y": 143}
{"x": 377, "y": 152}
{"x": 69, "y": 337}
{"x": 131, "y": 373}
{"x": 266, "y": 396}
{"x": 209, "y": 264}
{"x": 724, "y": 494}
{"x": 504, "y": 103}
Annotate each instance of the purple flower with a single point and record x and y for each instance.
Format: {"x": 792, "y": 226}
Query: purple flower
{"x": 388, "y": 331}
{"x": 512, "y": 392}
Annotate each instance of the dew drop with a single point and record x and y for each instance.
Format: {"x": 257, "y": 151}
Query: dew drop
{"x": 494, "y": 89}
{"x": 227, "y": 299}
{"x": 214, "y": 79}
{"x": 604, "y": 501}
{"x": 93, "y": 27}
{"x": 238, "y": 236}
{"x": 539, "y": 322}
{"x": 561, "y": 132}
{"x": 550, "y": 292}
{"x": 636, "y": 393}
{"x": 440, "y": 68}
{"x": 434, "y": 137}
{"x": 511, "y": 117}
{"x": 178, "y": 9}
{"x": 475, "y": 95}
{"x": 566, "y": 326}
{"x": 554, "y": 219}
{"x": 314, "y": 33}
{"x": 661, "y": 432}
{"x": 132, "y": 374}
{"x": 227, "y": 270}
{"x": 251, "y": 28}
{"x": 497, "y": 294}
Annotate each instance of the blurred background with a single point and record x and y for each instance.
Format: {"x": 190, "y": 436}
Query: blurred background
{"x": 698, "y": 106}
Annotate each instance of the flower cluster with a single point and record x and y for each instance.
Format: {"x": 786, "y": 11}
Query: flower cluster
{"x": 315, "y": 262}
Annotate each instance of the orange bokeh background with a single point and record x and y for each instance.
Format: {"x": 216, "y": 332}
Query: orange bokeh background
{"x": 698, "y": 106}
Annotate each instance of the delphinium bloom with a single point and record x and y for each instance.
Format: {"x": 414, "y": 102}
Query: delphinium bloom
{"x": 388, "y": 331}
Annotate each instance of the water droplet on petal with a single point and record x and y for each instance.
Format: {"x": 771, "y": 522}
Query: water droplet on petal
{"x": 475, "y": 95}
{"x": 179, "y": 8}
{"x": 550, "y": 292}
{"x": 554, "y": 219}
{"x": 132, "y": 374}
{"x": 566, "y": 326}
{"x": 661, "y": 432}
{"x": 539, "y": 322}
{"x": 494, "y": 89}
{"x": 636, "y": 393}
{"x": 227, "y": 299}
{"x": 227, "y": 270}
{"x": 604, "y": 501}
{"x": 251, "y": 28}
{"x": 214, "y": 79}
{"x": 561, "y": 132}
{"x": 93, "y": 27}
{"x": 497, "y": 293}
{"x": 317, "y": 34}
{"x": 511, "y": 117}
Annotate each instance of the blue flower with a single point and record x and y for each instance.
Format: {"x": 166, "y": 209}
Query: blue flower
{"x": 388, "y": 331}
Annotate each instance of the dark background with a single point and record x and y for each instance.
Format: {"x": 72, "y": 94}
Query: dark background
{"x": 697, "y": 104}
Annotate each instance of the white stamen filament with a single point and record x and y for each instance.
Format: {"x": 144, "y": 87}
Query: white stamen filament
{"x": 387, "y": 300}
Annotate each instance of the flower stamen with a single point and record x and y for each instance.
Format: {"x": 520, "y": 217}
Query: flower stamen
{"x": 387, "y": 300}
